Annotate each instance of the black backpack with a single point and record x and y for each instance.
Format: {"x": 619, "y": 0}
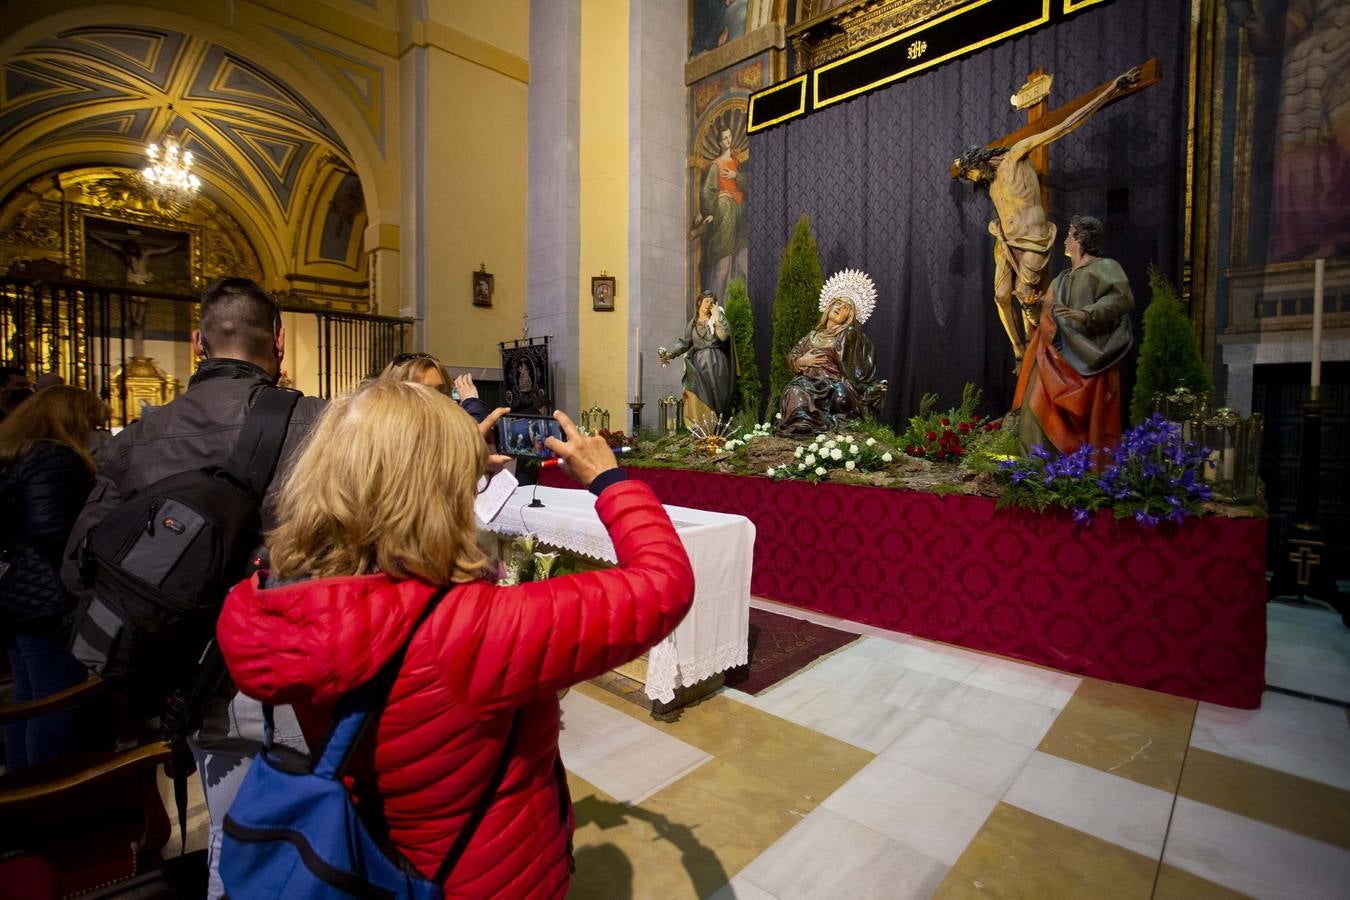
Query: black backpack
{"x": 159, "y": 565}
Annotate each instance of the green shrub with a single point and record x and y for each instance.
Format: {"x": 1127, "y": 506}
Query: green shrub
{"x": 1169, "y": 355}
{"x": 795, "y": 304}
{"x": 742, "y": 322}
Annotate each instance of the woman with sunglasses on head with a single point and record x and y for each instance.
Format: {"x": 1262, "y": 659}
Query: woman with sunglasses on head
{"x": 423, "y": 368}
{"x": 362, "y": 547}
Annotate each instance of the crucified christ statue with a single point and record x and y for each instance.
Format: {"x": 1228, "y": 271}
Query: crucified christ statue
{"x": 136, "y": 258}
{"x": 1023, "y": 233}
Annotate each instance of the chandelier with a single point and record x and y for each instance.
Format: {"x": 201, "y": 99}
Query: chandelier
{"x": 169, "y": 173}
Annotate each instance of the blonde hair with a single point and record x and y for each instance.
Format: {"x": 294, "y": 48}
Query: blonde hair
{"x": 412, "y": 369}
{"x": 386, "y": 482}
{"x": 60, "y": 413}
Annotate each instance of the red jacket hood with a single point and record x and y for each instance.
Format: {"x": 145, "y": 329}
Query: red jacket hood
{"x": 313, "y": 641}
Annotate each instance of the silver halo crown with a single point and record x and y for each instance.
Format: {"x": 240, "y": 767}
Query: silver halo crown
{"x": 855, "y": 286}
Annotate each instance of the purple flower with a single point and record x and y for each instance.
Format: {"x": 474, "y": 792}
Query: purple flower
{"x": 1020, "y": 476}
{"x": 1040, "y": 452}
{"x": 1143, "y": 518}
{"x": 1082, "y": 516}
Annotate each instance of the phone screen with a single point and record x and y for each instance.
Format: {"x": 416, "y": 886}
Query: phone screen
{"x": 525, "y": 435}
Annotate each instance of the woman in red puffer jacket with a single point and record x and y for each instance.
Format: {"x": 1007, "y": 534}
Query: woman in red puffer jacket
{"x": 378, "y": 511}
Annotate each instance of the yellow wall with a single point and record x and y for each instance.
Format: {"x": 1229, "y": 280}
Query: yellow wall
{"x": 605, "y": 344}
{"x": 474, "y": 196}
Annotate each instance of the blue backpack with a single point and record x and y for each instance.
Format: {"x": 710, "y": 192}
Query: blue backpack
{"x": 294, "y": 832}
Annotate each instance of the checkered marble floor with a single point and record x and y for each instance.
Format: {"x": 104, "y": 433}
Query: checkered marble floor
{"x": 900, "y": 768}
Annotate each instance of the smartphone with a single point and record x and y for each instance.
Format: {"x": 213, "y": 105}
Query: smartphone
{"x": 520, "y": 435}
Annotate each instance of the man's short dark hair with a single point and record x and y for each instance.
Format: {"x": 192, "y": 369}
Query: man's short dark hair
{"x": 239, "y": 319}
{"x": 1088, "y": 230}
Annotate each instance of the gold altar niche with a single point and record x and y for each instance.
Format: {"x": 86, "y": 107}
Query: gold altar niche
{"x": 99, "y": 229}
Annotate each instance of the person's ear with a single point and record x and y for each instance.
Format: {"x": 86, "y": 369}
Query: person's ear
{"x": 280, "y": 344}
{"x": 198, "y": 345}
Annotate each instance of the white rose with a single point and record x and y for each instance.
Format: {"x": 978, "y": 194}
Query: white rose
{"x": 853, "y": 448}
{"x": 836, "y": 453}
{"x": 820, "y": 470}
{"x": 871, "y": 442}
{"x": 829, "y": 445}
{"x": 886, "y": 457}
{"x": 810, "y": 459}
{"x": 798, "y": 452}
{"x": 769, "y": 472}
{"x": 778, "y": 415}
{"x": 814, "y": 448}
{"x": 849, "y": 465}
{"x": 801, "y": 466}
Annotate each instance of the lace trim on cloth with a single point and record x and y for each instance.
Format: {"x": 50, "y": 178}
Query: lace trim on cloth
{"x": 665, "y": 671}
{"x": 559, "y": 534}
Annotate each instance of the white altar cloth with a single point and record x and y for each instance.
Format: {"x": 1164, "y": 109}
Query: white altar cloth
{"x": 715, "y": 635}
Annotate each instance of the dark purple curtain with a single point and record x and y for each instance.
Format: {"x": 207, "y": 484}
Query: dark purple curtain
{"x": 872, "y": 173}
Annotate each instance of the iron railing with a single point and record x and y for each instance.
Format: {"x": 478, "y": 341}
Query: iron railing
{"x": 87, "y": 332}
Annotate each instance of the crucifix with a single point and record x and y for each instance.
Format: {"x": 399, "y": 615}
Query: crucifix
{"x": 1015, "y": 169}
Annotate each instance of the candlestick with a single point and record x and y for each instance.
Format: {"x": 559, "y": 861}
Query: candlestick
{"x": 1319, "y": 283}
{"x": 637, "y": 363}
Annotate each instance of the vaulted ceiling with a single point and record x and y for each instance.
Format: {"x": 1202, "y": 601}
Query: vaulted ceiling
{"x": 252, "y": 135}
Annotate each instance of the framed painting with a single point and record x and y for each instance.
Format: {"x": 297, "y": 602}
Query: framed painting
{"x": 603, "y": 288}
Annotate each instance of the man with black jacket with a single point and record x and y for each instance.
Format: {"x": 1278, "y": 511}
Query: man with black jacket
{"x": 241, "y": 342}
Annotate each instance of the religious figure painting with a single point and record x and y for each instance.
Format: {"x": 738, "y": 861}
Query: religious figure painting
{"x": 122, "y": 253}
{"x": 1300, "y": 190}
{"x": 715, "y": 22}
{"x": 719, "y": 225}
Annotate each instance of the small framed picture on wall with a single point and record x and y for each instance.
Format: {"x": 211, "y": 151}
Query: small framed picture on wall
{"x": 482, "y": 287}
{"x": 602, "y": 292}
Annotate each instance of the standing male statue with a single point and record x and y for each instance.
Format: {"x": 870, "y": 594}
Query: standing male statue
{"x": 1023, "y": 234}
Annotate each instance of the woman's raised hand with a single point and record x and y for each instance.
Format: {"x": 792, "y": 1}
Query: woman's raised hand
{"x": 584, "y": 457}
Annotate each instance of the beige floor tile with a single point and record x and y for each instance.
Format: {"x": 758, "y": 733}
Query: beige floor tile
{"x": 921, "y": 811}
{"x": 828, "y": 855}
{"x": 1252, "y": 857}
{"x": 1025, "y": 682}
{"x": 1301, "y": 737}
{"x": 1130, "y": 815}
{"x": 1136, "y": 734}
{"x": 975, "y": 760}
{"x": 1286, "y": 801}
{"x": 1018, "y": 854}
{"x": 1176, "y": 884}
{"x": 1018, "y": 721}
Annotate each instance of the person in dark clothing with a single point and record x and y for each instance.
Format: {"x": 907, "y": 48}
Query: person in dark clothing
{"x": 14, "y": 389}
{"x": 241, "y": 342}
{"x": 47, "y": 473}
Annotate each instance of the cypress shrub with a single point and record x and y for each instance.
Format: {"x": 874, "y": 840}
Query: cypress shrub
{"x": 1169, "y": 355}
{"x": 796, "y": 302}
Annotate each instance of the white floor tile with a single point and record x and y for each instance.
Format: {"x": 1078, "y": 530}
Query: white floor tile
{"x": 1014, "y": 679}
{"x": 923, "y": 812}
{"x": 925, "y": 656}
{"x": 828, "y": 855}
{"x": 1301, "y": 737}
{"x": 972, "y": 759}
{"x": 860, "y": 721}
{"x": 1019, "y": 721}
{"x": 788, "y": 695}
{"x": 920, "y": 691}
{"x": 1317, "y": 681}
{"x": 742, "y": 888}
{"x": 1128, "y": 814}
{"x": 625, "y": 758}
{"x": 1252, "y": 857}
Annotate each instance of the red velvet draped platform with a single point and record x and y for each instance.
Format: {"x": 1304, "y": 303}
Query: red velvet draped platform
{"x": 1176, "y": 609}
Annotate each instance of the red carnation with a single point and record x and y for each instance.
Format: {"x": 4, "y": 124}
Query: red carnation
{"x": 942, "y": 454}
{"x": 944, "y": 421}
{"x": 964, "y": 428}
{"x": 930, "y": 436}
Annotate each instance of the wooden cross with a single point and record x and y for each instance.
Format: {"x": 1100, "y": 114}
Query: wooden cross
{"x": 1040, "y": 117}
{"x": 1305, "y": 560}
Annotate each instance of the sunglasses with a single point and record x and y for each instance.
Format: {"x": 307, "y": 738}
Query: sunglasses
{"x": 409, "y": 357}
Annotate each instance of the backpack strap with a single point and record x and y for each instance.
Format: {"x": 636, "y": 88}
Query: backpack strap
{"x": 354, "y": 716}
{"x": 484, "y": 804}
{"x": 258, "y": 447}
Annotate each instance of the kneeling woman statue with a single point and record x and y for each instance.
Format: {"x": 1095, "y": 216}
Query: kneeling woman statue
{"x": 708, "y": 377}
{"x": 835, "y": 374}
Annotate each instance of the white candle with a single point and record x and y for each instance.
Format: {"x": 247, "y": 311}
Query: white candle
{"x": 1229, "y": 463}
{"x": 1319, "y": 279}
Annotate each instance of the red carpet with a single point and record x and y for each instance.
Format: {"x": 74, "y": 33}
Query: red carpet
{"x": 780, "y": 646}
